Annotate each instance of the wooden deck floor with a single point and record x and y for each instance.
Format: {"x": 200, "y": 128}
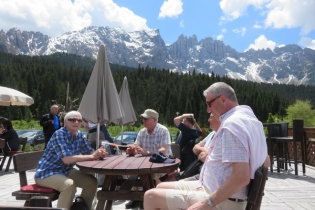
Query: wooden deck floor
{"x": 282, "y": 191}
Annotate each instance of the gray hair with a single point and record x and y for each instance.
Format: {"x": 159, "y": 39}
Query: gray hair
{"x": 55, "y": 105}
{"x": 71, "y": 114}
{"x": 221, "y": 88}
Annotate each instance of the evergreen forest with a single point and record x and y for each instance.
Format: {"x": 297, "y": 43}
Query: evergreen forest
{"x": 45, "y": 78}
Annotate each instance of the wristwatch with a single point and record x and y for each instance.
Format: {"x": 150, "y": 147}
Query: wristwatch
{"x": 148, "y": 152}
{"x": 209, "y": 202}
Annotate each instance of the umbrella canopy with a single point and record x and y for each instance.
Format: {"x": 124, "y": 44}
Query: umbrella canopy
{"x": 100, "y": 102}
{"x": 9, "y": 96}
{"x": 130, "y": 116}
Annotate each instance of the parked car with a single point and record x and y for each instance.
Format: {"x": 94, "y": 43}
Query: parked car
{"x": 34, "y": 137}
{"x": 85, "y": 134}
{"x": 128, "y": 137}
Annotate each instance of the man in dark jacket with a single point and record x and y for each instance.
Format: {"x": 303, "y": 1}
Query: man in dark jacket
{"x": 50, "y": 123}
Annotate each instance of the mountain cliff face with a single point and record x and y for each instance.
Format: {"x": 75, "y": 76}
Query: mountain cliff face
{"x": 287, "y": 65}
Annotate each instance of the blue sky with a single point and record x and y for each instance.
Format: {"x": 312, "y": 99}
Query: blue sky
{"x": 242, "y": 24}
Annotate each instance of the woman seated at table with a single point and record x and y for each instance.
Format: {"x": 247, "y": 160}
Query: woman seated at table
{"x": 56, "y": 167}
{"x": 11, "y": 138}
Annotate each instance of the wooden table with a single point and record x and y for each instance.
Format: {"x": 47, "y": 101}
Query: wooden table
{"x": 115, "y": 165}
{"x": 269, "y": 126}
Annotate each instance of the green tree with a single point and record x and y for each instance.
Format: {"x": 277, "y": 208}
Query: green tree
{"x": 301, "y": 110}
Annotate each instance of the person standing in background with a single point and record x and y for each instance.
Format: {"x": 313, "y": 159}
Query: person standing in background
{"x": 190, "y": 130}
{"x": 50, "y": 123}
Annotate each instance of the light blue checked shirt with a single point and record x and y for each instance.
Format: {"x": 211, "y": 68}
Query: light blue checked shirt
{"x": 61, "y": 145}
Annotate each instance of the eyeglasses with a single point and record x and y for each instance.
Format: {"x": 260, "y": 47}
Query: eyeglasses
{"x": 145, "y": 119}
{"x": 209, "y": 103}
{"x": 75, "y": 120}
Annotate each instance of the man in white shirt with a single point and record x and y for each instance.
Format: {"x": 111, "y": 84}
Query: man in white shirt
{"x": 237, "y": 150}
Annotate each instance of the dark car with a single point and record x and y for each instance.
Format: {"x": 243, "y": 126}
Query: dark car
{"x": 127, "y": 137}
{"x": 34, "y": 137}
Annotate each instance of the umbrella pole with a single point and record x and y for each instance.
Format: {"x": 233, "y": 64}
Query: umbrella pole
{"x": 122, "y": 133}
{"x": 98, "y": 137}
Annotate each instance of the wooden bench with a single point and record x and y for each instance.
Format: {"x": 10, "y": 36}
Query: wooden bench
{"x": 22, "y": 163}
{"x": 34, "y": 208}
{"x": 23, "y": 142}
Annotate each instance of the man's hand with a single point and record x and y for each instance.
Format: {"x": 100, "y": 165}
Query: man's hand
{"x": 200, "y": 205}
{"x": 100, "y": 153}
{"x": 139, "y": 150}
{"x": 203, "y": 155}
{"x": 131, "y": 150}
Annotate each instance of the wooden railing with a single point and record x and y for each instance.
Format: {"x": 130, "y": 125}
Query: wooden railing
{"x": 309, "y": 135}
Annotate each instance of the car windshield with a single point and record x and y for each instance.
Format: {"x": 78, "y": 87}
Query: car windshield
{"x": 28, "y": 134}
{"x": 126, "y": 137}
{"x": 20, "y": 132}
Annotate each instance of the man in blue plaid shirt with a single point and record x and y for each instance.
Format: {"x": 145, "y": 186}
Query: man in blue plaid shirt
{"x": 55, "y": 168}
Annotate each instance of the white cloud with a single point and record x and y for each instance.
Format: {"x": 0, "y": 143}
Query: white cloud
{"x": 307, "y": 42}
{"x": 235, "y": 9}
{"x": 241, "y": 31}
{"x": 220, "y": 37}
{"x": 171, "y": 8}
{"x": 279, "y": 13}
{"x": 224, "y": 30}
{"x": 181, "y": 24}
{"x": 262, "y": 43}
{"x": 291, "y": 14}
{"x": 257, "y": 25}
{"x": 55, "y": 17}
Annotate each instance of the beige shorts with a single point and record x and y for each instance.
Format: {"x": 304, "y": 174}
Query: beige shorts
{"x": 186, "y": 194}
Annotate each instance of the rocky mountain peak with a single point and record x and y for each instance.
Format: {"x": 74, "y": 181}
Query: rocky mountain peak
{"x": 289, "y": 64}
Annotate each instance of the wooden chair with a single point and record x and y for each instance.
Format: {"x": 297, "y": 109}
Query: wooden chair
{"x": 2, "y": 143}
{"x": 256, "y": 189}
{"x": 22, "y": 163}
{"x": 298, "y": 136}
{"x": 175, "y": 150}
{"x": 23, "y": 142}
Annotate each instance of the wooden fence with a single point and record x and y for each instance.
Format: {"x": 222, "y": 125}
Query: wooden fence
{"x": 309, "y": 135}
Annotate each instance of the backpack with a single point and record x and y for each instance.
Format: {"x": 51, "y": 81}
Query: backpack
{"x": 192, "y": 169}
{"x": 79, "y": 204}
{"x": 187, "y": 155}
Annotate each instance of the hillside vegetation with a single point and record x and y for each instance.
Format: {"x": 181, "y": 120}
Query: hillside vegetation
{"x": 45, "y": 78}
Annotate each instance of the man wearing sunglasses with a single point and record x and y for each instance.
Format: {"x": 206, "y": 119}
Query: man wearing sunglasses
{"x": 236, "y": 151}
{"x": 55, "y": 169}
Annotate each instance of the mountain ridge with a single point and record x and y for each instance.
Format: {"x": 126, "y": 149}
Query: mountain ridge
{"x": 284, "y": 65}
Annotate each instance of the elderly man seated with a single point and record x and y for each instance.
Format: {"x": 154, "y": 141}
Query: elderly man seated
{"x": 55, "y": 168}
{"x": 152, "y": 138}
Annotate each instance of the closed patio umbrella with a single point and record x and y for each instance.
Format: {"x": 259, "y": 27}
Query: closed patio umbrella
{"x": 12, "y": 97}
{"x": 100, "y": 103}
{"x": 130, "y": 116}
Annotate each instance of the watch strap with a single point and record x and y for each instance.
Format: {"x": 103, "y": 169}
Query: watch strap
{"x": 209, "y": 202}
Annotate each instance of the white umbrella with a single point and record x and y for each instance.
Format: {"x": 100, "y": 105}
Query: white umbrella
{"x": 9, "y": 96}
{"x": 130, "y": 116}
{"x": 100, "y": 103}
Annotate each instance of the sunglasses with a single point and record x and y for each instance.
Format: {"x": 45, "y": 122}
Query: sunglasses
{"x": 209, "y": 103}
{"x": 75, "y": 120}
{"x": 145, "y": 119}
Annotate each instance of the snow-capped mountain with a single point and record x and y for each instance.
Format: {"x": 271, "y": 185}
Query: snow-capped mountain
{"x": 288, "y": 65}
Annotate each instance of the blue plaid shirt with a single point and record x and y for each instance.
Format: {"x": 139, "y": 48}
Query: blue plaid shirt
{"x": 61, "y": 145}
